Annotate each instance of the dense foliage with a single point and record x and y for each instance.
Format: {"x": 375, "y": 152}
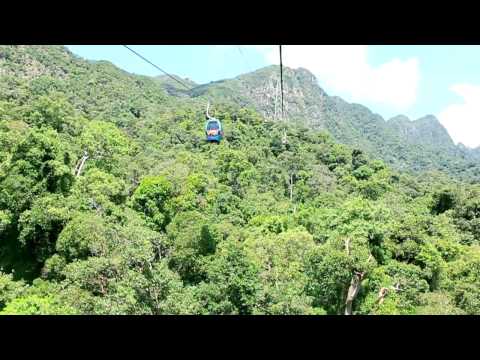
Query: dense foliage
{"x": 112, "y": 203}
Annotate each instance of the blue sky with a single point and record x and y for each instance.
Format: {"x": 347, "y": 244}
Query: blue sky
{"x": 390, "y": 80}
{"x": 200, "y": 63}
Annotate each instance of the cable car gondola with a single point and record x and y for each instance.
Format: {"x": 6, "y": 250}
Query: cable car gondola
{"x": 213, "y": 128}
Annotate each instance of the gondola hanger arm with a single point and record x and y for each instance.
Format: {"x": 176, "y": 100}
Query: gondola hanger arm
{"x": 208, "y": 107}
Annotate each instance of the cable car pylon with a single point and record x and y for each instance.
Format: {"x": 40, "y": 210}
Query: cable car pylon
{"x": 284, "y": 137}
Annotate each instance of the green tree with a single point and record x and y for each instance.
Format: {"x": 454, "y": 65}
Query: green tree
{"x": 232, "y": 282}
{"x": 151, "y": 198}
{"x": 281, "y": 260}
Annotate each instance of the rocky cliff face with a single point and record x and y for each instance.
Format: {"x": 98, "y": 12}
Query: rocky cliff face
{"x": 426, "y": 130}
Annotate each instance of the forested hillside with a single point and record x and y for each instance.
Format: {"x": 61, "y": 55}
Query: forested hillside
{"x": 420, "y": 145}
{"x": 111, "y": 202}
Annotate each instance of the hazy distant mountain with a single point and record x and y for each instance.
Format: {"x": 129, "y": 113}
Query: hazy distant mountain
{"x": 176, "y": 88}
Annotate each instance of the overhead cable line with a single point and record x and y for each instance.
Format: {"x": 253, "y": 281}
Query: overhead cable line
{"x": 157, "y": 67}
{"x": 244, "y": 58}
{"x": 163, "y": 71}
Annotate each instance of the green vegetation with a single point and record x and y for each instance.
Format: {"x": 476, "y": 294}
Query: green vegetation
{"x": 112, "y": 203}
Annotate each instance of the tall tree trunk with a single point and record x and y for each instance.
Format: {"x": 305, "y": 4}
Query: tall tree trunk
{"x": 80, "y": 166}
{"x": 347, "y": 246}
{"x": 291, "y": 187}
{"x": 353, "y": 291}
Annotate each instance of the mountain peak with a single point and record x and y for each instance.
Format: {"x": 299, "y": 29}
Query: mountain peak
{"x": 300, "y": 73}
{"x": 428, "y": 118}
{"x": 399, "y": 119}
{"x": 305, "y": 74}
{"x": 426, "y": 130}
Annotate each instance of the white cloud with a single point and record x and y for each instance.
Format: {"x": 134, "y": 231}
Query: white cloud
{"x": 345, "y": 70}
{"x": 462, "y": 121}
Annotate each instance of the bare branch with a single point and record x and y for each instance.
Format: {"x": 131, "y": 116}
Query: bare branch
{"x": 381, "y": 295}
{"x": 284, "y": 137}
{"x": 79, "y": 167}
{"x": 396, "y": 287}
{"x": 384, "y": 291}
